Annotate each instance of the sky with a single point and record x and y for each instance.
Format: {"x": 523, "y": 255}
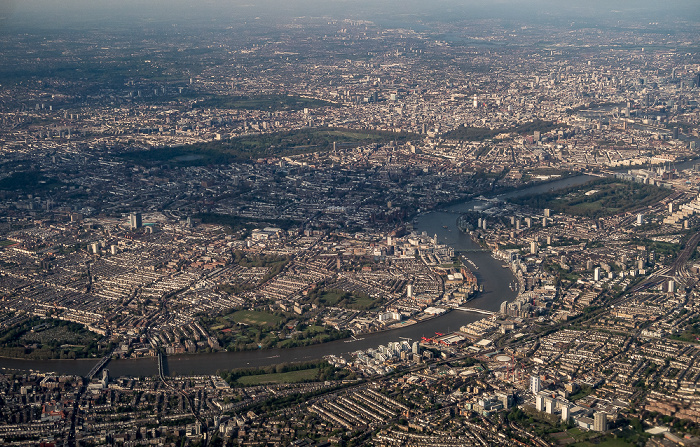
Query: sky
{"x": 37, "y": 13}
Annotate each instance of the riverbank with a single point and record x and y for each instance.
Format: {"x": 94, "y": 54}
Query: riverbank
{"x": 514, "y": 272}
{"x": 490, "y": 274}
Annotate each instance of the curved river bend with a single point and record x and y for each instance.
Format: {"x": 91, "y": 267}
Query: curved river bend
{"x": 490, "y": 273}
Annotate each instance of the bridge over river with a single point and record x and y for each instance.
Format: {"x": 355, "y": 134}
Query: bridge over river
{"x": 95, "y": 369}
{"x": 475, "y": 310}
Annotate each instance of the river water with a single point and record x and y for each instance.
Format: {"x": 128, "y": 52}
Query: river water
{"x": 490, "y": 272}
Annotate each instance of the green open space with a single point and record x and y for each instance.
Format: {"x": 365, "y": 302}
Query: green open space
{"x": 271, "y": 103}
{"x": 6, "y": 243}
{"x": 341, "y": 298}
{"x": 254, "y": 317}
{"x": 304, "y": 375}
{"x": 630, "y": 435}
{"x": 251, "y": 147}
{"x": 312, "y": 334}
{"x": 584, "y": 438}
{"x": 236, "y": 223}
{"x": 255, "y": 329}
{"x": 607, "y": 442}
{"x": 332, "y": 297}
{"x": 690, "y": 332}
{"x": 43, "y": 339}
{"x": 658, "y": 247}
{"x": 580, "y": 394}
{"x": 28, "y": 181}
{"x": 317, "y": 370}
{"x": 247, "y": 260}
{"x": 468, "y": 133}
{"x": 629, "y": 432}
{"x": 598, "y": 198}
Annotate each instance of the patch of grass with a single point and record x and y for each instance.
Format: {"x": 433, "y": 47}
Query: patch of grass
{"x": 362, "y": 302}
{"x": 607, "y": 442}
{"x": 484, "y": 133}
{"x": 599, "y": 198}
{"x": 661, "y": 248}
{"x": 251, "y": 147}
{"x": 263, "y": 102}
{"x": 257, "y": 318}
{"x": 317, "y": 370}
{"x": 580, "y": 436}
{"x": 331, "y": 297}
{"x": 29, "y": 181}
{"x": 286, "y": 377}
{"x": 315, "y": 329}
{"x": 245, "y": 260}
{"x": 341, "y": 298}
{"x": 43, "y": 339}
{"x": 236, "y": 223}
{"x": 6, "y": 243}
{"x": 691, "y": 331}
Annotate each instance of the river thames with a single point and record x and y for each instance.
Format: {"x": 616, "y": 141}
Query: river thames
{"x": 490, "y": 273}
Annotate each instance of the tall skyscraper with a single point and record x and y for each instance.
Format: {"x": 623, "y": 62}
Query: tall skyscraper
{"x": 600, "y": 421}
{"x": 565, "y": 413}
{"x": 135, "y": 221}
{"x": 415, "y": 348}
{"x": 535, "y": 384}
{"x": 549, "y": 405}
{"x": 540, "y": 402}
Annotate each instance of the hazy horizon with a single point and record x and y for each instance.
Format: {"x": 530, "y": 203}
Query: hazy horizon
{"x": 50, "y": 13}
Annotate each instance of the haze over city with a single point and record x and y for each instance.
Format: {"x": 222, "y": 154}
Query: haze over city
{"x": 349, "y": 223}
{"x": 48, "y": 13}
